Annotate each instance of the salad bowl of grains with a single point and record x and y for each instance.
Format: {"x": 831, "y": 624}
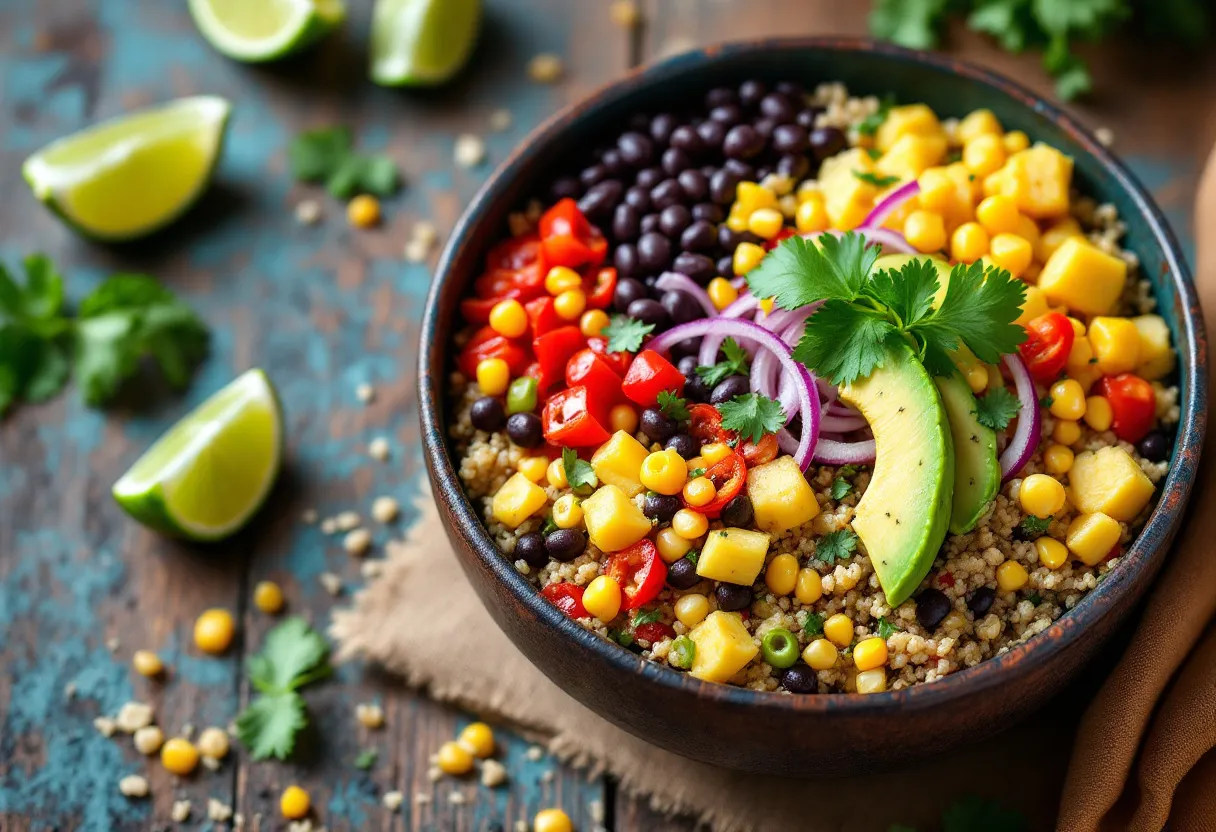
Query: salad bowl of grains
{"x": 805, "y": 405}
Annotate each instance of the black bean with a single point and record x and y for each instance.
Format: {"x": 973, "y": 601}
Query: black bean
{"x": 675, "y": 160}
{"x": 657, "y": 425}
{"x": 699, "y": 236}
{"x": 790, "y": 138}
{"x": 932, "y": 606}
{"x": 980, "y": 600}
{"x": 625, "y": 222}
{"x": 667, "y": 192}
{"x": 751, "y": 91}
{"x": 636, "y": 149}
{"x": 742, "y": 142}
{"x": 827, "y": 141}
{"x": 728, "y": 114}
{"x": 565, "y": 545}
{"x": 800, "y": 679}
{"x": 602, "y": 198}
{"x": 614, "y": 162}
{"x": 722, "y": 186}
{"x": 777, "y": 107}
{"x": 650, "y": 222}
{"x": 648, "y": 312}
{"x": 625, "y": 258}
{"x": 711, "y": 133}
{"x": 687, "y": 365}
{"x": 487, "y": 414}
{"x": 729, "y": 239}
{"x": 627, "y": 291}
{"x": 661, "y": 507}
{"x": 695, "y": 389}
{"x": 739, "y": 168}
{"x": 531, "y": 549}
{"x": 765, "y": 127}
{"x": 637, "y": 197}
{"x": 726, "y": 266}
{"x": 648, "y": 178}
{"x": 681, "y": 307}
{"x": 683, "y": 574}
{"x": 525, "y": 430}
{"x": 687, "y": 347}
{"x": 738, "y": 513}
{"x": 1154, "y": 446}
{"x": 683, "y": 444}
{"x": 763, "y": 173}
{"x": 728, "y": 388}
{"x": 795, "y": 166}
{"x": 593, "y": 174}
{"x": 674, "y": 219}
{"x": 654, "y": 252}
{"x": 732, "y": 597}
{"x": 697, "y": 266}
{"x": 566, "y": 187}
{"x": 661, "y": 127}
{"x": 686, "y": 138}
{"x": 708, "y": 211}
{"x": 806, "y": 117}
{"x": 694, "y": 183}
{"x": 719, "y": 96}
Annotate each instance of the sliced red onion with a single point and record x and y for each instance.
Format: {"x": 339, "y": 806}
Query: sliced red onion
{"x": 889, "y": 204}
{"x": 842, "y": 424}
{"x": 831, "y": 452}
{"x": 888, "y": 239}
{"x": 751, "y": 331}
{"x": 839, "y": 408}
{"x": 738, "y": 282}
{"x": 674, "y": 281}
{"x": 1026, "y": 436}
{"x": 745, "y": 304}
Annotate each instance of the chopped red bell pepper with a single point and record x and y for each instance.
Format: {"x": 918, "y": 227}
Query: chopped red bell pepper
{"x": 521, "y": 284}
{"x": 602, "y": 290}
{"x": 567, "y": 239}
{"x": 618, "y": 361}
{"x": 592, "y": 371}
{"x": 760, "y": 452}
{"x": 1133, "y": 405}
{"x": 640, "y": 572}
{"x": 477, "y": 310}
{"x": 653, "y": 631}
{"x": 945, "y": 579}
{"x": 553, "y": 350}
{"x": 783, "y": 234}
{"x": 728, "y": 475}
{"x": 542, "y": 316}
{"x": 486, "y": 343}
{"x": 705, "y": 424}
{"x": 649, "y": 375}
{"x": 569, "y": 421}
{"x": 514, "y": 253}
{"x": 1047, "y": 345}
{"x": 566, "y": 597}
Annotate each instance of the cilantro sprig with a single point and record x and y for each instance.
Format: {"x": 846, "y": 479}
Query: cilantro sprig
{"x": 673, "y": 406}
{"x": 887, "y": 628}
{"x": 625, "y": 334}
{"x": 841, "y": 488}
{"x": 814, "y": 624}
{"x": 875, "y": 179}
{"x": 863, "y": 314}
{"x": 835, "y": 546}
{"x": 579, "y": 473}
{"x": 327, "y": 155}
{"x": 1032, "y": 528}
{"x": 734, "y": 363}
{"x": 752, "y": 415}
{"x": 997, "y": 408}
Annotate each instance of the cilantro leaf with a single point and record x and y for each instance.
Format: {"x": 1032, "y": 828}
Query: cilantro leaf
{"x": 1032, "y": 528}
{"x": 996, "y": 408}
{"x": 843, "y": 342}
{"x": 841, "y": 488}
{"x": 625, "y": 334}
{"x": 849, "y": 470}
{"x": 801, "y": 271}
{"x": 672, "y": 406}
{"x": 835, "y": 546}
{"x": 886, "y": 628}
{"x": 870, "y": 124}
{"x": 327, "y": 155}
{"x": 814, "y": 624}
{"x": 650, "y": 616}
{"x": 292, "y": 656}
{"x": 911, "y": 23}
{"x": 875, "y": 179}
{"x": 1009, "y": 21}
{"x": 972, "y": 814}
{"x": 366, "y": 759}
{"x": 979, "y": 309}
{"x": 579, "y": 473}
{"x": 752, "y": 415}
{"x": 908, "y": 292}
{"x": 734, "y": 363}
{"x": 268, "y": 727}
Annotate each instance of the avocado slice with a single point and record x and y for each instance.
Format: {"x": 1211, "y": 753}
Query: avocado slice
{"x": 977, "y": 472}
{"x": 903, "y": 515}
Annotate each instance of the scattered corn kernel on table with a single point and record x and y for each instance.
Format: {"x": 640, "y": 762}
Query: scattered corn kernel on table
{"x": 324, "y": 309}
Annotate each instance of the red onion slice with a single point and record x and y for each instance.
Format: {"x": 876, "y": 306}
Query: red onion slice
{"x": 842, "y": 424}
{"x": 888, "y": 239}
{"x": 674, "y": 281}
{"x": 1026, "y": 436}
{"x": 745, "y": 304}
{"x": 831, "y": 452}
{"x": 889, "y": 204}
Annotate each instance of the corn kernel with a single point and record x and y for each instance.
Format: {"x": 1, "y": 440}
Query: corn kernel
{"x": 593, "y": 322}
{"x": 765, "y": 223}
{"x": 747, "y": 256}
{"x": 969, "y": 242}
{"x": 809, "y": 588}
{"x": 998, "y": 214}
{"x": 556, "y": 474}
{"x": 977, "y": 378}
{"x": 984, "y": 155}
{"x": 1011, "y": 576}
{"x": 179, "y": 756}
{"x": 664, "y": 472}
{"x": 602, "y": 598}
{"x": 870, "y": 653}
{"x": 552, "y": 820}
{"x": 671, "y": 544}
{"x": 821, "y": 654}
{"x": 294, "y": 803}
{"x": 533, "y": 467}
{"x": 147, "y": 663}
{"x": 1016, "y": 140}
{"x": 1098, "y": 413}
{"x": 1078, "y": 327}
{"x": 454, "y": 759}
{"x": 493, "y": 376}
{"x": 781, "y": 576}
{"x": 751, "y": 196}
{"x": 1057, "y": 459}
{"x": 478, "y": 738}
{"x": 1041, "y": 495}
{"x": 978, "y": 123}
{"x": 1066, "y": 432}
{"x": 925, "y": 231}
{"x": 1067, "y": 400}
{"x": 363, "y": 211}
{"x": 1052, "y": 553}
{"x": 691, "y": 609}
{"x": 714, "y": 453}
{"x": 736, "y": 220}
{"x": 689, "y": 524}
{"x": 562, "y": 279}
{"x": 570, "y": 304}
{"x": 1010, "y": 252}
{"x": 213, "y": 631}
{"x": 1028, "y": 230}
{"x": 508, "y": 318}
{"x": 721, "y": 293}
{"x": 699, "y": 491}
{"x": 839, "y": 630}
{"x": 213, "y": 743}
{"x": 623, "y": 417}
{"x": 812, "y": 215}
{"x": 268, "y": 597}
{"x": 872, "y": 681}
{"x": 567, "y": 513}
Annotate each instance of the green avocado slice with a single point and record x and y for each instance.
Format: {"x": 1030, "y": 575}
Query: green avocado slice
{"x": 977, "y": 473}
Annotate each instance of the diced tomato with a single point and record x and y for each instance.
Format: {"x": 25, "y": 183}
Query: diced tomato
{"x": 945, "y": 579}
{"x": 1133, "y": 405}
{"x": 521, "y": 284}
{"x": 761, "y": 452}
{"x": 601, "y": 291}
{"x": 514, "y": 253}
{"x": 486, "y": 343}
{"x": 649, "y": 375}
{"x": 728, "y": 475}
{"x": 618, "y": 361}
{"x": 591, "y": 371}
{"x": 1047, "y": 346}
{"x": 568, "y": 421}
{"x": 477, "y": 310}
{"x": 566, "y": 597}
{"x": 640, "y": 572}
{"x": 653, "y": 631}
{"x": 568, "y": 239}
{"x": 783, "y": 234}
{"x": 553, "y": 350}
{"x": 542, "y": 316}
{"x": 705, "y": 424}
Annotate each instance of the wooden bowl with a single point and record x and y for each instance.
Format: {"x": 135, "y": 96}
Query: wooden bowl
{"x": 768, "y": 732}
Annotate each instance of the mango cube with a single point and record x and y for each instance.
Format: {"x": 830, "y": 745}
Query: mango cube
{"x": 735, "y": 556}
{"x": 1091, "y": 537}
{"x": 978, "y": 123}
{"x": 911, "y": 155}
{"x": 1039, "y": 178}
{"x": 517, "y": 500}
{"x": 619, "y": 462}
{"x": 780, "y": 495}
{"x": 1034, "y": 305}
{"x": 1083, "y": 278}
{"x": 912, "y": 119}
{"x": 847, "y": 199}
{"x": 613, "y": 521}
{"x": 1054, "y": 236}
{"x": 1109, "y": 481}
{"x": 1116, "y": 343}
{"x": 724, "y": 647}
{"x": 1156, "y": 354}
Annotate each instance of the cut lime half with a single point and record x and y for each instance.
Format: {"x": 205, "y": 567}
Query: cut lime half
{"x": 263, "y": 30}
{"x": 422, "y": 42}
{"x": 211, "y": 472}
{"x": 129, "y": 176}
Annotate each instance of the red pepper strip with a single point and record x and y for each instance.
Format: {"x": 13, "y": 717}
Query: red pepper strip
{"x": 514, "y": 253}
{"x": 477, "y": 310}
{"x": 601, "y": 292}
{"x": 522, "y": 284}
{"x": 653, "y": 631}
{"x": 566, "y": 597}
{"x": 542, "y": 316}
{"x": 486, "y": 343}
{"x": 640, "y": 572}
{"x": 705, "y": 424}
{"x": 728, "y": 475}
{"x": 1133, "y": 405}
{"x": 649, "y": 375}
{"x": 567, "y": 239}
{"x": 567, "y": 421}
{"x": 618, "y": 361}
{"x": 553, "y": 350}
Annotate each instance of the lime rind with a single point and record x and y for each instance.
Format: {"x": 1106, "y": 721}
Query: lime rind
{"x": 306, "y": 22}
{"x": 422, "y": 42}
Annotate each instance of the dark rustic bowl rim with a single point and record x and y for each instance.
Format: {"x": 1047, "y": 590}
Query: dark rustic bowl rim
{"x": 1002, "y": 669}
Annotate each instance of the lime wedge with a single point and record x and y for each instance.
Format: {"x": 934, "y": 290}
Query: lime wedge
{"x": 126, "y": 177}
{"x": 262, "y": 30}
{"x": 210, "y": 473}
{"x": 422, "y": 42}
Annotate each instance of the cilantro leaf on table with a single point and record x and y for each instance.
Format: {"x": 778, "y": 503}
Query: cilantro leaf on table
{"x": 579, "y": 473}
{"x": 366, "y": 759}
{"x": 996, "y": 408}
{"x": 327, "y": 154}
{"x": 814, "y": 624}
{"x": 735, "y": 363}
{"x": 802, "y": 271}
{"x": 844, "y": 342}
{"x": 886, "y": 628}
{"x": 835, "y": 546}
{"x": 672, "y": 406}
{"x": 268, "y": 726}
{"x": 752, "y": 415}
{"x": 841, "y": 488}
{"x": 875, "y": 179}
{"x": 625, "y": 334}
{"x": 910, "y": 23}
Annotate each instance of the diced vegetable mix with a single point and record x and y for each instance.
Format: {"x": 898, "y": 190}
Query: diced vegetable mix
{"x": 649, "y": 483}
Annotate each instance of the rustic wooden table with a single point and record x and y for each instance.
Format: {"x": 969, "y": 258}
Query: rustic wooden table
{"x": 323, "y": 309}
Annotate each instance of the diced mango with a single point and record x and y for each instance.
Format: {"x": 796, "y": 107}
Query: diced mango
{"x": 911, "y": 119}
{"x": 1034, "y": 305}
{"x": 978, "y": 123}
{"x": 724, "y": 647}
{"x": 735, "y": 556}
{"x": 1116, "y": 343}
{"x": 613, "y": 521}
{"x": 1109, "y": 480}
{"x": 781, "y": 497}
{"x": 1091, "y": 537}
{"x": 619, "y": 462}
{"x": 517, "y": 500}
{"x": 1083, "y": 278}
{"x": 1054, "y": 236}
{"x": 1156, "y": 354}
{"x": 1039, "y": 178}
{"x": 1082, "y": 367}
{"x": 839, "y": 168}
{"x": 848, "y": 199}
{"x": 911, "y": 155}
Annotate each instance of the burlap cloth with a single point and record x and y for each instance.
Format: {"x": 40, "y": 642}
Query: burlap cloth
{"x": 1143, "y": 752}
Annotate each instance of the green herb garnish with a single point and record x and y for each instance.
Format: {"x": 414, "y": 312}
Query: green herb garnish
{"x": 692, "y": 555}
{"x": 874, "y": 179}
{"x": 366, "y": 759}
{"x": 641, "y": 617}
{"x": 621, "y": 637}
{"x": 327, "y": 155}
{"x": 1046, "y": 402}
{"x": 672, "y": 406}
{"x": 996, "y": 408}
{"x": 752, "y": 416}
{"x": 814, "y": 624}
{"x": 696, "y": 472}
{"x": 625, "y": 334}
{"x": 847, "y": 470}
{"x": 1033, "y": 527}
{"x": 835, "y": 546}
{"x": 683, "y": 651}
{"x": 870, "y": 124}
{"x": 579, "y": 473}
{"x": 735, "y": 363}
{"x": 841, "y": 488}
{"x": 886, "y": 629}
